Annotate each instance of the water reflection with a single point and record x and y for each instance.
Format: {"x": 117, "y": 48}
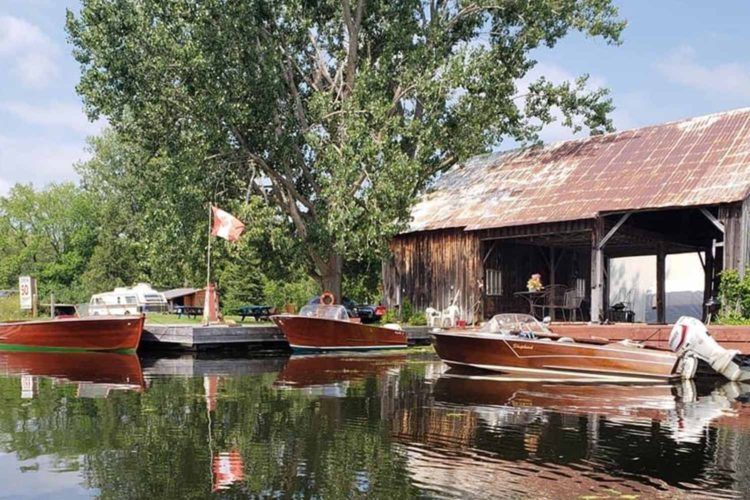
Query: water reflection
{"x": 345, "y": 425}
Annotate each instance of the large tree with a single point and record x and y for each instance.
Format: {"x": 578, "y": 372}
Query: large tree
{"x": 335, "y": 112}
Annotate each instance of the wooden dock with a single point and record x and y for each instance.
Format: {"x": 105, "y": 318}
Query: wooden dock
{"x": 197, "y": 337}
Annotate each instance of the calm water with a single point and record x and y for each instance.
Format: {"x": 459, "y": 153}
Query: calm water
{"x": 350, "y": 426}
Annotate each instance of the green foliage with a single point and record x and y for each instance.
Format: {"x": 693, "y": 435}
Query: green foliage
{"x": 390, "y": 316}
{"x": 406, "y": 310}
{"x": 334, "y": 115}
{"x": 10, "y": 309}
{"x": 418, "y": 319}
{"x": 49, "y": 234}
{"x": 295, "y": 293}
{"x": 734, "y": 295}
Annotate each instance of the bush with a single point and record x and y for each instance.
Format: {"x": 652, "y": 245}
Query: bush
{"x": 418, "y": 319}
{"x": 406, "y": 311}
{"x": 390, "y": 316}
{"x": 734, "y": 295}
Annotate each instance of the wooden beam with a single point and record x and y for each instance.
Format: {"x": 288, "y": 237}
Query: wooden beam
{"x": 614, "y": 229}
{"x": 716, "y": 222}
{"x": 661, "y": 257}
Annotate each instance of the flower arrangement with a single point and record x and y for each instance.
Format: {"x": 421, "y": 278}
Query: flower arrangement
{"x": 535, "y": 283}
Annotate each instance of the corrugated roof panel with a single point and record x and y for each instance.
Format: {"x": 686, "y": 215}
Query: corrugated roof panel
{"x": 699, "y": 161}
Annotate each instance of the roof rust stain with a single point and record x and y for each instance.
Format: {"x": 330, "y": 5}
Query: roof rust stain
{"x": 700, "y": 161}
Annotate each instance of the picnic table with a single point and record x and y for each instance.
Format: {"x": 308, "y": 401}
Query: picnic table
{"x": 189, "y": 311}
{"x": 257, "y": 312}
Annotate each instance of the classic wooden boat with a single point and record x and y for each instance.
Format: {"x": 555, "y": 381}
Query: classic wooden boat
{"x": 321, "y": 327}
{"x": 518, "y": 343}
{"x": 100, "y": 368}
{"x": 96, "y": 333}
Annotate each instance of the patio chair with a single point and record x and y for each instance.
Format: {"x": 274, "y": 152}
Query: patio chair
{"x": 450, "y": 315}
{"x": 553, "y": 297}
{"x": 434, "y": 317}
{"x": 572, "y": 303}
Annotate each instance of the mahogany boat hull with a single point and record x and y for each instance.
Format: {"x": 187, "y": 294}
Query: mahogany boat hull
{"x": 120, "y": 333}
{"x": 321, "y": 334}
{"x": 492, "y": 352}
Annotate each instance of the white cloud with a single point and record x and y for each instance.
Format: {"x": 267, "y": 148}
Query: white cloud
{"x": 66, "y": 115}
{"x": 23, "y": 160}
{"x": 727, "y": 79}
{"x": 30, "y": 52}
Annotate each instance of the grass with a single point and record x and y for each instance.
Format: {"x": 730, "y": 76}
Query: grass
{"x": 10, "y": 309}
{"x": 172, "y": 319}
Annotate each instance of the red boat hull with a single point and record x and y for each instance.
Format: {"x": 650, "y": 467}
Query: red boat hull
{"x": 306, "y": 333}
{"x": 121, "y": 333}
{"x": 491, "y": 352}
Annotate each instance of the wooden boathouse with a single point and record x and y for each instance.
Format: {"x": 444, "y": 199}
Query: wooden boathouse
{"x": 565, "y": 209}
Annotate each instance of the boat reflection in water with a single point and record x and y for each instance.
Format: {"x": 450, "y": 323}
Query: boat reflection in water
{"x": 496, "y": 435}
{"x": 331, "y": 374}
{"x": 96, "y": 374}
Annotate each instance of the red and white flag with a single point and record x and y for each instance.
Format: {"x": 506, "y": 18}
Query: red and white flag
{"x": 226, "y": 225}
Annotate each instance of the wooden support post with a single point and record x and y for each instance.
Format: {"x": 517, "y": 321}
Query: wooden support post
{"x": 605, "y": 286}
{"x": 552, "y": 267}
{"x": 661, "y": 302}
{"x": 597, "y": 271}
{"x": 708, "y": 278}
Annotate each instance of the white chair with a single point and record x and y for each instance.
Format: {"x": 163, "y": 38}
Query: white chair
{"x": 434, "y": 317}
{"x": 450, "y": 316}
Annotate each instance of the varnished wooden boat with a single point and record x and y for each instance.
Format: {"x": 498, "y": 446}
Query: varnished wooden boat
{"x": 102, "y": 368}
{"x": 320, "y": 327}
{"x": 96, "y": 333}
{"x": 517, "y": 343}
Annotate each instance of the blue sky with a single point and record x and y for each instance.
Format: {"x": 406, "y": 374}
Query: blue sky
{"x": 678, "y": 59}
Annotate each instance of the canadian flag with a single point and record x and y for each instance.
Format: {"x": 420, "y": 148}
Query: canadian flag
{"x": 226, "y": 225}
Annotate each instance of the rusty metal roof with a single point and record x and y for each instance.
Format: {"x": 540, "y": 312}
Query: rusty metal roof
{"x": 700, "y": 161}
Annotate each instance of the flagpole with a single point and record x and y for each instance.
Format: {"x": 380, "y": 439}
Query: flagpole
{"x": 208, "y": 265}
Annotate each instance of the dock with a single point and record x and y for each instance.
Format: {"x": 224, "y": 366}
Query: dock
{"x": 262, "y": 337}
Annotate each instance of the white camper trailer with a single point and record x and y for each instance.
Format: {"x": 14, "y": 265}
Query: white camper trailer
{"x": 124, "y": 301}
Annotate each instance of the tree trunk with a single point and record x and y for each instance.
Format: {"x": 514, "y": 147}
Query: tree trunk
{"x": 330, "y": 279}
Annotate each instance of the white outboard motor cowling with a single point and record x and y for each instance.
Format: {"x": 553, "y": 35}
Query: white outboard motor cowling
{"x": 690, "y": 337}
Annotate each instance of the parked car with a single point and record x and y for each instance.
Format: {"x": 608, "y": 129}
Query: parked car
{"x": 366, "y": 313}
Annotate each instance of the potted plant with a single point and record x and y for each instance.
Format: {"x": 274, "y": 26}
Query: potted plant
{"x": 535, "y": 283}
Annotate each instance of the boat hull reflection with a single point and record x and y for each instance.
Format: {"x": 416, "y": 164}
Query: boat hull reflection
{"x": 329, "y": 369}
{"x": 108, "y": 370}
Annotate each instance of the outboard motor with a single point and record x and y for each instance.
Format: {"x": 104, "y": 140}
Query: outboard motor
{"x": 690, "y": 338}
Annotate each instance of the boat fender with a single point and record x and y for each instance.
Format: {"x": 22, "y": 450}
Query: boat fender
{"x": 392, "y": 326}
{"x": 327, "y": 299}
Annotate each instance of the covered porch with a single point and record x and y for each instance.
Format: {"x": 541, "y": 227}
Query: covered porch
{"x": 575, "y": 256}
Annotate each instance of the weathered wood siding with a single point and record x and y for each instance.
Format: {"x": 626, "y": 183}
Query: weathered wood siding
{"x": 736, "y": 220}
{"x": 430, "y": 268}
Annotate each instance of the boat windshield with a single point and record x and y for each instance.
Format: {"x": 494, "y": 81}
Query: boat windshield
{"x": 515, "y": 324}
{"x": 337, "y": 312}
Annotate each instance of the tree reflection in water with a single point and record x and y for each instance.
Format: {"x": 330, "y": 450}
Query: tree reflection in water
{"x": 386, "y": 425}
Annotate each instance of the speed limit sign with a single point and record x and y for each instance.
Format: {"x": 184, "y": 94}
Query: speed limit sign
{"x": 27, "y": 289}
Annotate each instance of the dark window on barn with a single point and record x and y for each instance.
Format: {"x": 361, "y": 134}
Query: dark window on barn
{"x": 493, "y": 281}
